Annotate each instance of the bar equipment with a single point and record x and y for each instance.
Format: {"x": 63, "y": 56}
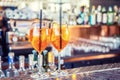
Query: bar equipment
{"x": 11, "y": 71}
{"x": 22, "y": 70}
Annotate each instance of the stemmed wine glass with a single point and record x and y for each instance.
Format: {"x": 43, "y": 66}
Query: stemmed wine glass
{"x": 38, "y": 37}
{"x": 59, "y": 39}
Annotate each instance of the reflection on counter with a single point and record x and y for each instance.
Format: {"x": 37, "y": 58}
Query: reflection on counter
{"x": 74, "y": 77}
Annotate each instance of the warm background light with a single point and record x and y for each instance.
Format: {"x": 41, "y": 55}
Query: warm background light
{"x": 74, "y": 77}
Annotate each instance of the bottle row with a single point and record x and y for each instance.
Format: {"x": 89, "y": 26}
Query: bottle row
{"x": 99, "y": 15}
{"x": 44, "y": 61}
{"x": 95, "y": 15}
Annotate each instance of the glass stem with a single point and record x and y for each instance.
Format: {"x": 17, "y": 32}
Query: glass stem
{"x": 59, "y": 62}
{"x": 40, "y": 58}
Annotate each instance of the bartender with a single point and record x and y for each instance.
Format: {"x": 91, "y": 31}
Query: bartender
{"x": 81, "y": 16}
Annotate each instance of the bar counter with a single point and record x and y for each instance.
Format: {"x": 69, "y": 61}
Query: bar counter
{"x": 97, "y": 72}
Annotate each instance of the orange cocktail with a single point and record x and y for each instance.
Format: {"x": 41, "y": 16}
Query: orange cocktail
{"x": 55, "y": 37}
{"x": 39, "y": 38}
{"x": 59, "y": 39}
{"x": 40, "y": 42}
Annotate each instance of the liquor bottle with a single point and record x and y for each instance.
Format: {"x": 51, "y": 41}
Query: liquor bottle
{"x": 104, "y": 16}
{"x": 86, "y": 16}
{"x": 9, "y": 26}
{"x": 51, "y": 61}
{"x": 35, "y": 55}
{"x": 2, "y": 75}
{"x": 11, "y": 71}
{"x": 81, "y": 16}
{"x": 92, "y": 17}
{"x": 119, "y": 16}
{"x": 99, "y": 15}
{"x": 31, "y": 64}
{"x": 110, "y": 15}
{"x": 45, "y": 61}
{"x": 22, "y": 65}
{"x": 116, "y": 12}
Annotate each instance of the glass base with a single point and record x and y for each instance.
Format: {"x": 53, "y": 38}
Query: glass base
{"x": 59, "y": 73}
{"x": 40, "y": 76}
{"x": 44, "y": 76}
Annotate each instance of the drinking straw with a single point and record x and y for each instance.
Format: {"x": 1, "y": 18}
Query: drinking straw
{"x": 40, "y": 29}
{"x": 60, "y": 18}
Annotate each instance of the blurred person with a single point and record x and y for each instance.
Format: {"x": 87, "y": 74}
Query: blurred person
{"x": 81, "y": 16}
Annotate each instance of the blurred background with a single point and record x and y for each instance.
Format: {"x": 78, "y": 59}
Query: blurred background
{"x": 94, "y": 26}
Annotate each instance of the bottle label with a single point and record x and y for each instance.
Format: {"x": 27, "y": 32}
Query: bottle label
{"x": 35, "y": 55}
{"x": 119, "y": 19}
{"x": 104, "y": 18}
{"x": 99, "y": 17}
{"x": 10, "y": 60}
{"x": 81, "y": 18}
{"x": 45, "y": 57}
{"x": 92, "y": 19}
{"x": 31, "y": 61}
{"x": 51, "y": 57}
{"x": 110, "y": 18}
{"x": 21, "y": 60}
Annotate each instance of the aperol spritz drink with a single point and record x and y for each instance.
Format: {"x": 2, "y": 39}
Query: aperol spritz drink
{"x": 59, "y": 39}
{"x": 39, "y": 39}
{"x": 55, "y": 38}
